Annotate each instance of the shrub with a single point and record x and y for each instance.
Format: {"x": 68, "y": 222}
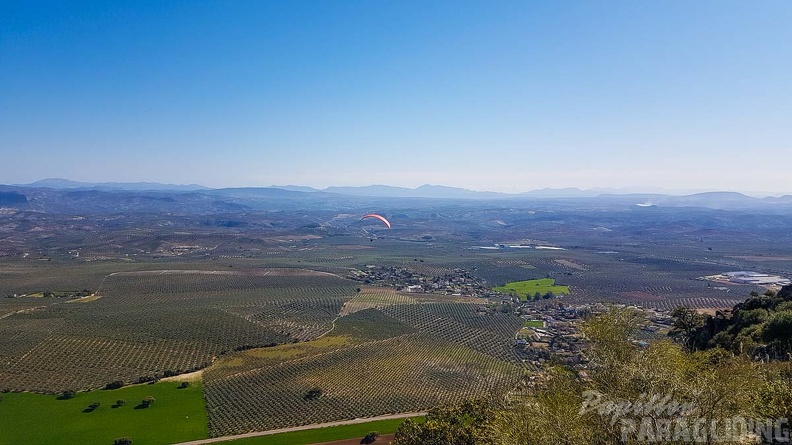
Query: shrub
{"x": 313, "y": 394}
{"x": 370, "y": 437}
{"x": 114, "y": 384}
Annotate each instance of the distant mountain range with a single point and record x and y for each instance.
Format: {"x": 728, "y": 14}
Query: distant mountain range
{"x": 445, "y": 192}
{"x": 373, "y": 191}
{"x": 60, "y": 183}
{"x": 297, "y": 194}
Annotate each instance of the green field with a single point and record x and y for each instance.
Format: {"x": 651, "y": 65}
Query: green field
{"x": 177, "y": 415}
{"x": 325, "y": 434}
{"x": 533, "y": 324}
{"x": 528, "y": 288}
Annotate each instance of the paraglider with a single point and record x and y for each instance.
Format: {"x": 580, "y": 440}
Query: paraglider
{"x": 379, "y": 217}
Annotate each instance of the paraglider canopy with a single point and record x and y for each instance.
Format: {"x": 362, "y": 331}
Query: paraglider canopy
{"x": 379, "y": 217}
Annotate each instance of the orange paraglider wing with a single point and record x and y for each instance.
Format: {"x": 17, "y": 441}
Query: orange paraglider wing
{"x": 379, "y": 217}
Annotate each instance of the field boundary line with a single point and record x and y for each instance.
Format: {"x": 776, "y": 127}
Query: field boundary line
{"x": 304, "y": 428}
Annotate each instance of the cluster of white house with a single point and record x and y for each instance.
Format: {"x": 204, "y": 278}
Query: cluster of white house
{"x": 759, "y": 279}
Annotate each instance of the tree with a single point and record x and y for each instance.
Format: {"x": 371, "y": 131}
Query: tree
{"x": 470, "y": 423}
{"x": 120, "y": 402}
{"x": 66, "y": 395}
{"x": 123, "y": 441}
{"x": 313, "y": 394}
{"x": 371, "y": 437}
{"x": 785, "y": 293}
{"x": 146, "y": 402}
{"x": 778, "y": 330}
{"x": 115, "y": 384}
{"x": 687, "y": 323}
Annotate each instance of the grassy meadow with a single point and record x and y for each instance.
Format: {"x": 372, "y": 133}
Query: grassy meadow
{"x": 176, "y": 415}
{"x": 528, "y": 288}
{"x": 328, "y": 434}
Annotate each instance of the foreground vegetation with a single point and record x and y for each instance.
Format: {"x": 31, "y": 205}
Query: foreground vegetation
{"x": 175, "y": 415}
{"x": 565, "y": 408}
{"x": 759, "y": 327}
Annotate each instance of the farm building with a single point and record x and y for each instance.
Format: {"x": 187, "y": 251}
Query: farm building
{"x": 759, "y": 279}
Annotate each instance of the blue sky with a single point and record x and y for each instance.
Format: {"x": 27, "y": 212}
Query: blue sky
{"x": 487, "y": 95}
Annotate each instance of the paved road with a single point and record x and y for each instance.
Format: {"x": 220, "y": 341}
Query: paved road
{"x": 302, "y": 428}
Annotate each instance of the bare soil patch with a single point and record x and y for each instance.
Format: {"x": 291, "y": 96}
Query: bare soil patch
{"x": 196, "y": 376}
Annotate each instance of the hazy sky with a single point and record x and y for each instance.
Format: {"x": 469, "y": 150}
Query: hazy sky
{"x": 495, "y": 95}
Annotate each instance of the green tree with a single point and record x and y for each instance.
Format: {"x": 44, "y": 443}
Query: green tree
{"x": 115, "y": 384}
{"x": 371, "y": 437}
{"x": 778, "y": 332}
{"x": 470, "y": 423}
{"x": 313, "y": 393}
{"x": 687, "y": 324}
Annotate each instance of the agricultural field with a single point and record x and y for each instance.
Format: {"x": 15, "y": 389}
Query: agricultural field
{"x": 373, "y": 362}
{"x": 148, "y": 324}
{"x": 265, "y": 337}
{"x": 176, "y": 415}
{"x": 529, "y": 288}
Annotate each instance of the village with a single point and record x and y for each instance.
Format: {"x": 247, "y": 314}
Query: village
{"x": 551, "y": 329}
{"x": 458, "y": 283}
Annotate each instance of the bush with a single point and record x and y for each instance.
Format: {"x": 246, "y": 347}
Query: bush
{"x": 120, "y": 402}
{"x": 66, "y": 395}
{"x": 370, "y": 437}
{"x": 313, "y": 394}
{"x": 114, "y": 384}
{"x": 122, "y": 441}
{"x": 184, "y": 385}
{"x": 148, "y": 401}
